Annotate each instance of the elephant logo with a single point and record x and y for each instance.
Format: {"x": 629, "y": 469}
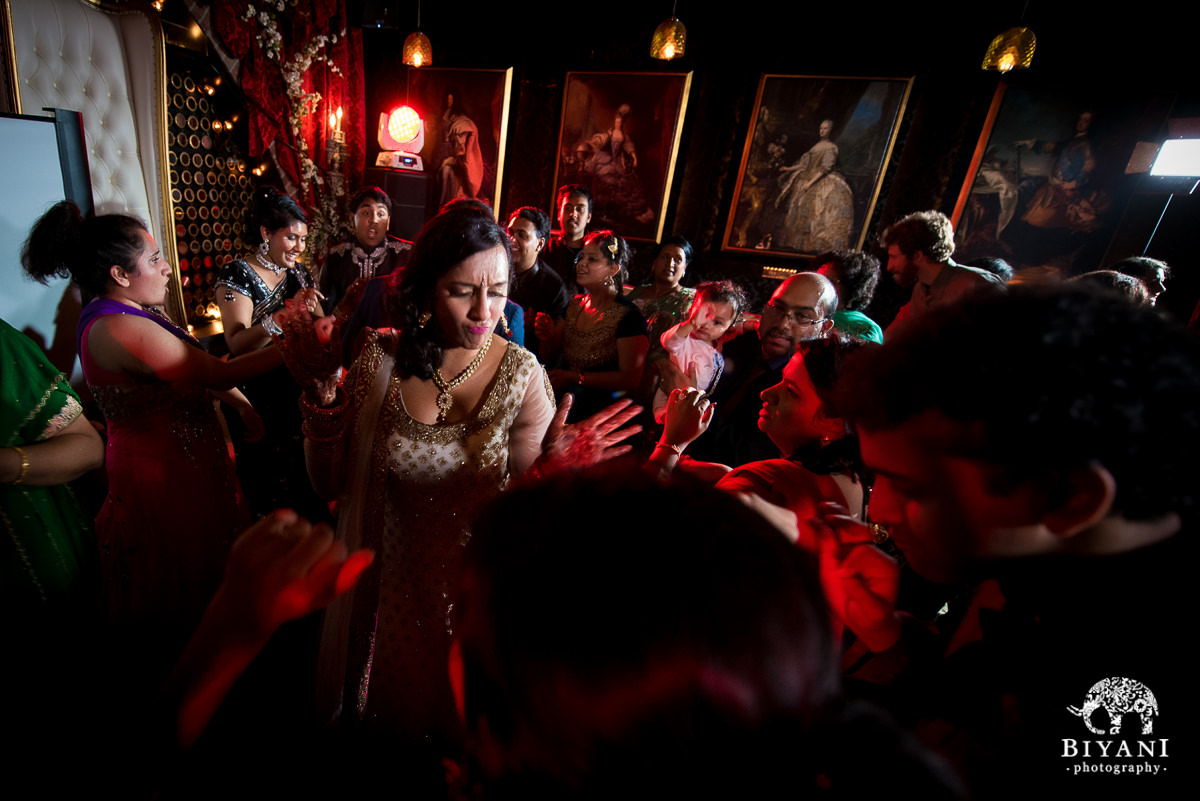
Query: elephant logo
{"x": 1118, "y": 696}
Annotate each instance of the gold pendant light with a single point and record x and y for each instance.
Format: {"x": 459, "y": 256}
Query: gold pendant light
{"x": 418, "y": 52}
{"x": 669, "y": 40}
{"x": 1011, "y": 50}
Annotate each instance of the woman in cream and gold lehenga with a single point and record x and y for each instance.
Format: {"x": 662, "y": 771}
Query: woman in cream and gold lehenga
{"x": 428, "y": 424}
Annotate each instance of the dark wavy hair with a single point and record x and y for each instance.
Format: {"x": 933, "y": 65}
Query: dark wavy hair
{"x": 457, "y": 233}
{"x": 1127, "y": 286}
{"x": 616, "y": 250}
{"x": 1142, "y": 268}
{"x": 1053, "y": 377}
{"x": 369, "y": 193}
{"x": 825, "y": 361}
{"x": 994, "y": 266}
{"x": 566, "y": 190}
{"x": 539, "y": 219}
{"x": 737, "y": 645}
{"x": 679, "y": 242}
{"x": 858, "y": 274}
{"x": 271, "y": 209}
{"x": 927, "y": 231}
{"x": 63, "y": 243}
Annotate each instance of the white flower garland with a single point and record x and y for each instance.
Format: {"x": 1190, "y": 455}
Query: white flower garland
{"x": 302, "y": 105}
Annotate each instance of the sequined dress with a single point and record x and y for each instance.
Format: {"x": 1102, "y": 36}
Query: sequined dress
{"x": 424, "y": 486}
{"x": 174, "y": 505}
{"x": 271, "y": 470}
{"x": 596, "y": 350}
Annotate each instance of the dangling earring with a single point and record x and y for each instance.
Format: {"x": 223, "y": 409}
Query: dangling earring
{"x": 423, "y": 319}
{"x": 504, "y": 325}
{"x": 263, "y": 247}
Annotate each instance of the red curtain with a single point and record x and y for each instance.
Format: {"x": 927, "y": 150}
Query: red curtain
{"x": 263, "y": 84}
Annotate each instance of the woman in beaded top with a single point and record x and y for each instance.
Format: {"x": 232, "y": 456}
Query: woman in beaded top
{"x": 174, "y": 504}
{"x": 603, "y": 338}
{"x": 249, "y": 292}
{"x": 428, "y": 424}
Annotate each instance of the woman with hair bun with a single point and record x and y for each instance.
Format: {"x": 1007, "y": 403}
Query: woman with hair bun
{"x": 603, "y": 339}
{"x": 249, "y": 292}
{"x": 174, "y": 505}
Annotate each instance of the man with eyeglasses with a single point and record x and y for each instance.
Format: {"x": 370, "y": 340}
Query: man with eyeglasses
{"x": 801, "y": 308}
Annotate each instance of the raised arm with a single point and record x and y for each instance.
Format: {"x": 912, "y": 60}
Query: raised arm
{"x": 135, "y": 346}
{"x": 529, "y": 428}
{"x": 241, "y": 335}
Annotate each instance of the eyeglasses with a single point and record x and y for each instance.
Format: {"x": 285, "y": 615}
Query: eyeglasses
{"x": 792, "y": 315}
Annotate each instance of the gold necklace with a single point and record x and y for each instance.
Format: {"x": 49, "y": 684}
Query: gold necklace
{"x": 444, "y": 399}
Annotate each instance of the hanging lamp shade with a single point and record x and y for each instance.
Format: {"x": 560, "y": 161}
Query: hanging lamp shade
{"x": 418, "y": 52}
{"x": 669, "y": 40}
{"x": 1011, "y": 50}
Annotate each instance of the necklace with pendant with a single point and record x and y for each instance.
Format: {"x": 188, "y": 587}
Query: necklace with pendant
{"x": 444, "y": 399}
{"x": 268, "y": 264}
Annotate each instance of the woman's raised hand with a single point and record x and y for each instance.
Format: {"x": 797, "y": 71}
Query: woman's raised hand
{"x": 688, "y": 414}
{"x": 311, "y": 347}
{"x": 588, "y": 442}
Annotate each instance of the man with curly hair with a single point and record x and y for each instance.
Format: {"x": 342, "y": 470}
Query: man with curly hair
{"x": 919, "y": 248}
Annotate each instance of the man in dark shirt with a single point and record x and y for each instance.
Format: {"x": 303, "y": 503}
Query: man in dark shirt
{"x": 372, "y": 254}
{"x": 1040, "y": 444}
{"x": 574, "y": 213}
{"x": 801, "y": 308}
{"x": 535, "y": 287}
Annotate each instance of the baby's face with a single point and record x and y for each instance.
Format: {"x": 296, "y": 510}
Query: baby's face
{"x": 711, "y": 320}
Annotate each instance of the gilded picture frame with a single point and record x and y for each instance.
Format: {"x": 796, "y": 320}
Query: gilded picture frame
{"x": 620, "y": 136}
{"x": 815, "y": 156}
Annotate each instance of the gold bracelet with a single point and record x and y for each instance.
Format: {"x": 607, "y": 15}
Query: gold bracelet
{"x": 24, "y": 471}
{"x": 677, "y": 448}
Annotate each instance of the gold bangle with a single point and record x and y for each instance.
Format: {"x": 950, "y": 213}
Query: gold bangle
{"x": 24, "y": 471}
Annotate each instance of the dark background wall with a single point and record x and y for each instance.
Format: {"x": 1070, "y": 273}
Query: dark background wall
{"x": 1080, "y": 49}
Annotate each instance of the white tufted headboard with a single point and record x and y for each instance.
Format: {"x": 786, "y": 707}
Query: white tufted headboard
{"x": 108, "y": 63}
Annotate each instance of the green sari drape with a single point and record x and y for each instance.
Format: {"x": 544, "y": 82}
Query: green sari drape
{"x": 47, "y": 552}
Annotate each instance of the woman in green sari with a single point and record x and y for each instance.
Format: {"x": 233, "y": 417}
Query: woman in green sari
{"x": 46, "y": 442}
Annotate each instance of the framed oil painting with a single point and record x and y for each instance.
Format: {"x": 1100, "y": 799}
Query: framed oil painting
{"x": 1047, "y": 182}
{"x": 814, "y": 159}
{"x": 466, "y": 125}
{"x": 620, "y": 138}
